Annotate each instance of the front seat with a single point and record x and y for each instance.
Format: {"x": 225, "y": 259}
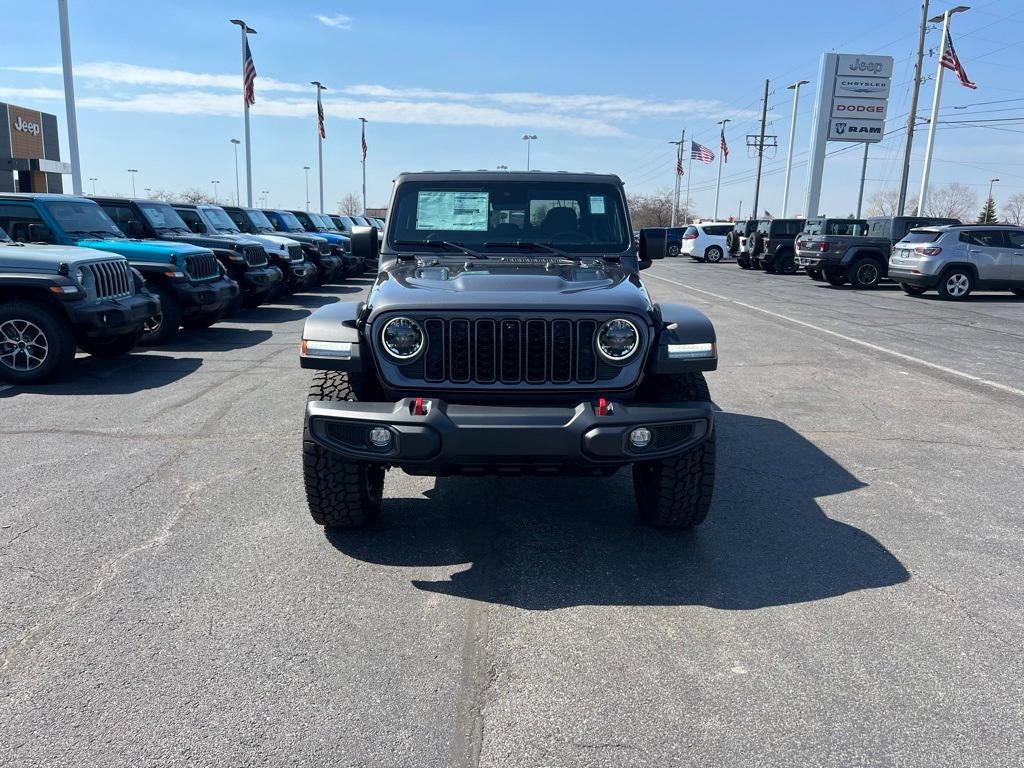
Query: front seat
{"x": 560, "y": 221}
{"x": 20, "y": 232}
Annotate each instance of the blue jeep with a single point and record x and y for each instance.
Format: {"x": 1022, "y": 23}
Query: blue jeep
{"x": 327, "y": 259}
{"x": 341, "y": 244}
{"x": 189, "y": 281}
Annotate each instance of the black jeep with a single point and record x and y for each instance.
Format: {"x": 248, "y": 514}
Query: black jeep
{"x": 771, "y": 245}
{"x": 508, "y": 332}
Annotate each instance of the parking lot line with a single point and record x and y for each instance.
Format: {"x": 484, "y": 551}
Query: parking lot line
{"x": 852, "y": 340}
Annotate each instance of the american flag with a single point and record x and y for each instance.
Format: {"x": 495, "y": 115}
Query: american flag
{"x": 320, "y": 116}
{"x": 702, "y": 153}
{"x": 679, "y": 166}
{"x": 725, "y": 147}
{"x": 248, "y": 77}
{"x": 951, "y": 61}
{"x": 364, "y": 142}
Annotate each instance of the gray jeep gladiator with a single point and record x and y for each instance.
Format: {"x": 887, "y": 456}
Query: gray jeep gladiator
{"x": 508, "y": 332}
{"x": 54, "y": 298}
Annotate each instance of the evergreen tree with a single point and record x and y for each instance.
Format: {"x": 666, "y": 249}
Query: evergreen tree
{"x": 988, "y": 213}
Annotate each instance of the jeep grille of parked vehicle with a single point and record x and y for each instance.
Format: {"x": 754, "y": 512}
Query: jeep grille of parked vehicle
{"x": 202, "y": 266}
{"x": 111, "y": 279}
{"x": 255, "y": 256}
{"x": 325, "y": 248}
{"x": 529, "y": 350}
{"x": 295, "y": 252}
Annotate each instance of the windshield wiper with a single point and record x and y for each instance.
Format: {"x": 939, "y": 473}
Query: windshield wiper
{"x": 101, "y": 233}
{"x": 442, "y": 244}
{"x": 532, "y": 244}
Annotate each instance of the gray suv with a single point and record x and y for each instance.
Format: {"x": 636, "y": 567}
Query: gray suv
{"x": 955, "y": 260}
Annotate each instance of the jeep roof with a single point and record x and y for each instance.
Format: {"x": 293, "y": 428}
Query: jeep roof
{"x": 570, "y": 176}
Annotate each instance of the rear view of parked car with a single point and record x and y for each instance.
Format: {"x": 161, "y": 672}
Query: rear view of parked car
{"x": 706, "y": 242}
{"x": 956, "y": 260}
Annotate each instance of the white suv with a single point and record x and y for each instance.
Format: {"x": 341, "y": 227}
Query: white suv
{"x": 956, "y": 260}
{"x": 706, "y": 241}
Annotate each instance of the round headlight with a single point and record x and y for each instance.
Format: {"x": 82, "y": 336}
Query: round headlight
{"x": 80, "y": 275}
{"x": 617, "y": 340}
{"x": 402, "y": 338}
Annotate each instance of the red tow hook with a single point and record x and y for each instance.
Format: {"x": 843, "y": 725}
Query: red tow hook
{"x": 604, "y": 408}
{"x": 419, "y": 407}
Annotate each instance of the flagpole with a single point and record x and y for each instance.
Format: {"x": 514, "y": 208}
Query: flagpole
{"x": 930, "y": 145}
{"x": 689, "y": 172}
{"x": 721, "y": 154}
{"x": 246, "y": 30}
{"x": 362, "y": 149}
{"x": 319, "y": 139}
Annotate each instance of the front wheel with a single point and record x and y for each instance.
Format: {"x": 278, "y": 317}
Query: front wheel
{"x": 163, "y": 326}
{"x": 673, "y": 250}
{"x": 676, "y": 492}
{"x": 713, "y": 254}
{"x": 341, "y": 492}
{"x": 36, "y": 344}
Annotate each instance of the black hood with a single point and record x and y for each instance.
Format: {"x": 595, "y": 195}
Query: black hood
{"x": 509, "y": 283}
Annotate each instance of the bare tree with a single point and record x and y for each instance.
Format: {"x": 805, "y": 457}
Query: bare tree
{"x": 884, "y": 202}
{"x": 351, "y": 205}
{"x": 195, "y": 195}
{"x": 955, "y": 200}
{"x": 164, "y": 194}
{"x": 1013, "y": 210}
{"x": 655, "y": 210}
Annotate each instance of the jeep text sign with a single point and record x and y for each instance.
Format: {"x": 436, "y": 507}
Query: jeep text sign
{"x": 25, "y": 126}
{"x": 865, "y": 109}
{"x": 864, "y": 65}
{"x": 841, "y": 129}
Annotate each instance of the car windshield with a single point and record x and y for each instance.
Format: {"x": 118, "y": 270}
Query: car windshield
{"x": 572, "y": 216}
{"x": 324, "y": 222}
{"x": 291, "y": 223}
{"x": 83, "y": 217}
{"x": 257, "y": 219}
{"x": 162, "y": 217}
{"x": 218, "y": 218}
{"x": 4, "y": 238}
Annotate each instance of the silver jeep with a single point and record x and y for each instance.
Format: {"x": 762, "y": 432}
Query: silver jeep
{"x": 955, "y": 260}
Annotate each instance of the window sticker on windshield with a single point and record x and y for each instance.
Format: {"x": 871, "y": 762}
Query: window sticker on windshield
{"x": 597, "y": 204}
{"x": 462, "y": 211}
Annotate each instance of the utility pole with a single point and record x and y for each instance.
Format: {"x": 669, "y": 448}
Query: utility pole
{"x": 69, "y": 96}
{"x": 679, "y": 173}
{"x": 721, "y": 155}
{"x": 795, "y": 87}
{"x": 863, "y": 175}
{"x": 912, "y": 117}
{"x": 760, "y": 150}
{"x": 320, "y": 138}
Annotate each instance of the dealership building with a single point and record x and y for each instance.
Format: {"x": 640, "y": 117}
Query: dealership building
{"x": 29, "y": 151}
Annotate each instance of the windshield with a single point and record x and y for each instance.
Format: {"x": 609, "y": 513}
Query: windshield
{"x": 218, "y": 218}
{"x": 325, "y": 222}
{"x": 3, "y": 237}
{"x": 291, "y": 224}
{"x": 81, "y": 217}
{"x": 162, "y": 216}
{"x": 573, "y": 216}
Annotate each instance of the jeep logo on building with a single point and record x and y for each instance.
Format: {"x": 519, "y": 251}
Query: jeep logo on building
{"x": 26, "y": 127}
{"x": 874, "y": 67}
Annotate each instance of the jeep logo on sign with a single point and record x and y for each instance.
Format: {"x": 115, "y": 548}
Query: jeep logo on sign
{"x": 25, "y": 127}
{"x": 874, "y": 67}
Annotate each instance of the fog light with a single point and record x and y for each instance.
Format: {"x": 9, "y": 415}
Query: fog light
{"x": 640, "y": 437}
{"x": 380, "y": 437}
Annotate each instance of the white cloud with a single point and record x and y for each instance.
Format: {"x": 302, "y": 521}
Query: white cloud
{"x": 338, "y": 20}
{"x": 131, "y": 74}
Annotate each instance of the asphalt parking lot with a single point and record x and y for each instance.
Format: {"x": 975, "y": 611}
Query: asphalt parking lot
{"x": 854, "y": 598}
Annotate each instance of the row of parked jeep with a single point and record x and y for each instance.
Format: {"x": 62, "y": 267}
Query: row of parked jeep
{"x": 102, "y": 275}
{"x": 919, "y": 253}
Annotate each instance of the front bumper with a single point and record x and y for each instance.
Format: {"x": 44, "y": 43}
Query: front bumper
{"x": 474, "y": 439}
{"x": 330, "y": 267}
{"x": 299, "y": 273}
{"x": 113, "y": 317}
{"x": 906, "y": 275}
{"x": 260, "y": 279}
{"x": 201, "y": 298}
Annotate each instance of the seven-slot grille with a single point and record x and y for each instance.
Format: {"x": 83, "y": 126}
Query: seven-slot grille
{"x": 510, "y": 351}
{"x": 112, "y": 279}
{"x": 295, "y": 252}
{"x": 324, "y": 248}
{"x": 255, "y": 256}
{"x": 203, "y": 266}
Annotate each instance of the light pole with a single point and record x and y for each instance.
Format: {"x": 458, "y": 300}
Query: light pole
{"x": 320, "y": 133}
{"x": 306, "y": 169}
{"x": 364, "y": 121}
{"x": 795, "y": 87}
{"x": 238, "y": 189}
{"x": 990, "y": 183}
{"x": 922, "y": 198}
{"x": 246, "y": 30}
{"x": 148, "y": 191}
{"x": 529, "y": 138}
{"x": 266, "y": 197}
{"x": 132, "y": 172}
{"x": 69, "y": 96}
{"x": 721, "y": 156}
{"x": 93, "y": 179}
{"x": 215, "y": 182}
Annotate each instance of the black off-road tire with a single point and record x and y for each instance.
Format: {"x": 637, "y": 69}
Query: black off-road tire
{"x": 341, "y": 493}
{"x": 865, "y": 273}
{"x": 743, "y": 262}
{"x": 115, "y": 347}
{"x": 814, "y": 274}
{"x": 768, "y": 264}
{"x": 732, "y": 243}
{"x": 785, "y": 263}
{"x": 917, "y": 290}
{"x": 676, "y": 492}
{"x": 170, "y": 317}
{"x": 17, "y": 319}
{"x": 835, "y": 277}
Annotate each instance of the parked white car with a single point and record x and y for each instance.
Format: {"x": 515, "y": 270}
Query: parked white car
{"x": 706, "y": 241}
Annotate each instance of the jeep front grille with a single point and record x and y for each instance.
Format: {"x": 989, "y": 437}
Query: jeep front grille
{"x": 518, "y": 352}
{"x": 255, "y": 256}
{"x": 324, "y": 248}
{"x": 202, "y": 267}
{"x": 295, "y": 252}
{"x": 112, "y": 279}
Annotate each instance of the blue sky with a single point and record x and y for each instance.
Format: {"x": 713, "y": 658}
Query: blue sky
{"x": 455, "y": 85}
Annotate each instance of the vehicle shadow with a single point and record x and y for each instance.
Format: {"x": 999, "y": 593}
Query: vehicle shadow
{"x": 126, "y": 375}
{"x": 268, "y": 313}
{"x": 217, "y": 338}
{"x": 550, "y": 543}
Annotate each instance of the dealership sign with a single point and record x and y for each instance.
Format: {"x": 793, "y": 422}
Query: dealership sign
{"x": 856, "y": 130}
{"x": 858, "y": 97}
{"x": 868, "y": 109}
{"x": 862, "y": 87}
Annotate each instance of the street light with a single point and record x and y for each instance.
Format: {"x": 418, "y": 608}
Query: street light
{"x": 215, "y": 182}
{"x": 306, "y": 169}
{"x": 266, "y": 196}
{"x": 990, "y": 183}
{"x": 148, "y": 191}
{"x": 502, "y": 167}
{"x": 529, "y": 138}
{"x": 795, "y": 87}
{"x": 238, "y": 189}
{"x": 132, "y": 172}
{"x": 246, "y": 30}
{"x": 93, "y": 179}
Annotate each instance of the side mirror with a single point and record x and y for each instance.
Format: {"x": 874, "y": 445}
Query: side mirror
{"x": 653, "y": 245}
{"x": 39, "y": 233}
{"x": 365, "y": 243}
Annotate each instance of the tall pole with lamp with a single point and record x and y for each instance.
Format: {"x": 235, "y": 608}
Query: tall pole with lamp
{"x": 238, "y": 188}
{"x": 321, "y": 133}
{"x": 69, "y": 96}
{"x": 795, "y": 87}
{"x": 248, "y": 98}
{"x": 306, "y": 169}
{"x": 132, "y": 172}
{"x": 529, "y": 138}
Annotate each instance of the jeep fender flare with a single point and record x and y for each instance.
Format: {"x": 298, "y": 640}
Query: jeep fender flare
{"x": 870, "y": 253}
{"x": 337, "y": 323}
{"x": 681, "y": 324}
